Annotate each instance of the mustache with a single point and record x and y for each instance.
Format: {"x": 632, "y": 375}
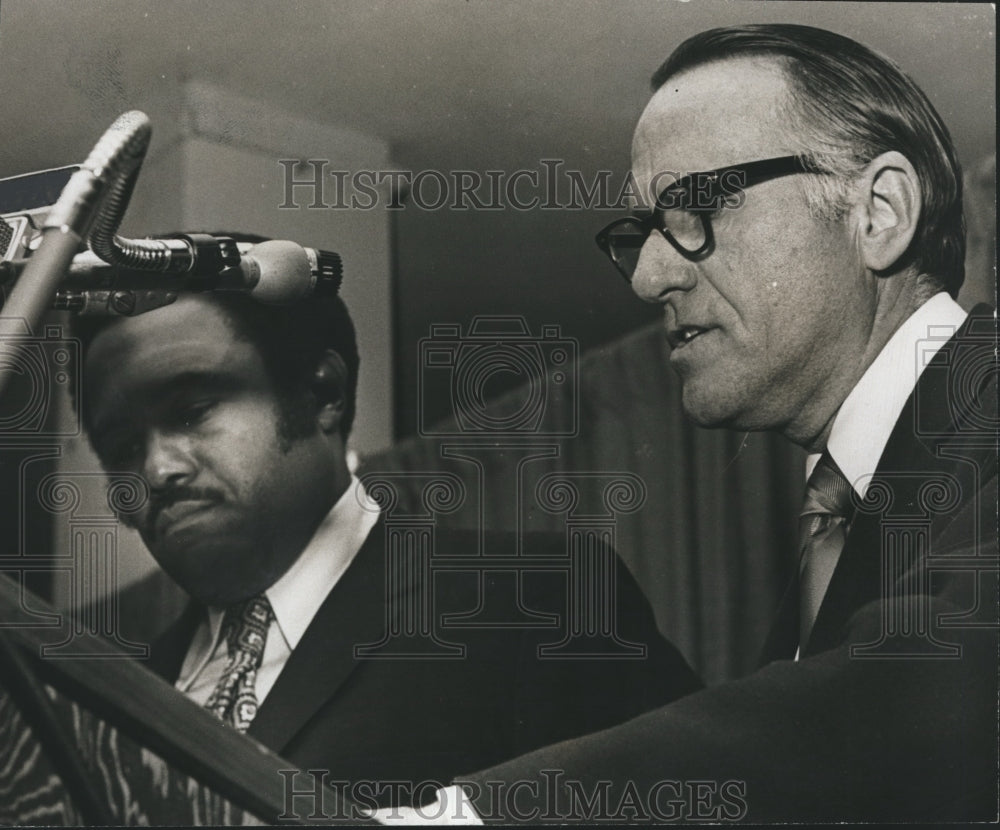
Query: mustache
{"x": 160, "y": 500}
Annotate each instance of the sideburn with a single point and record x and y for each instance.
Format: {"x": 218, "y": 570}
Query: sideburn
{"x": 296, "y": 417}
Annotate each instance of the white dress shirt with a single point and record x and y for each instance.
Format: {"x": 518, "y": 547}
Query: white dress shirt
{"x": 295, "y": 599}
{"x": 865, "y": 420}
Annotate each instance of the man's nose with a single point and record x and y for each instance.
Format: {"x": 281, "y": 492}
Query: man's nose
{"x": 169, "y": 459}
{"x": 661, "y": 270}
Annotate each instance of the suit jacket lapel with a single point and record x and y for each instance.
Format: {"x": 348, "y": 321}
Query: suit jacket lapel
{"x": 911, "y": 457}
{"x": 784, "y": 634}
{"x": 166, "y": 655}
{"x": 353, "y": 614}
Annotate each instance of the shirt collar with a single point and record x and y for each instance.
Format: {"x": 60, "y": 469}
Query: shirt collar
{"x": 862, "y": 426}
{"x": 298, "y": 595}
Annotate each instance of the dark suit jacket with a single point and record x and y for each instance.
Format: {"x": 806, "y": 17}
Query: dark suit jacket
{"x": 891, "y": 713}
{"x": 430, "y": 719}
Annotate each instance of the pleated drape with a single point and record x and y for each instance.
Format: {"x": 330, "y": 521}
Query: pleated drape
{"x": 713, "y": 542}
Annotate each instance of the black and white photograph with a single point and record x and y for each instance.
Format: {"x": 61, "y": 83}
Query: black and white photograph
{"x": 463, "y": 412}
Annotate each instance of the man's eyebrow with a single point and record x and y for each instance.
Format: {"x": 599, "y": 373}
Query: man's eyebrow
{"x": 194, "y": 379}
{"x": 162, "y": 390}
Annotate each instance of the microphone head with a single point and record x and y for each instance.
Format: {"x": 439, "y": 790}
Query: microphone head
{"x": 284, "y": 271}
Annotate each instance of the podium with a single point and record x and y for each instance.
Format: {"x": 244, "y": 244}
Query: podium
{"x": 88, "y": 740}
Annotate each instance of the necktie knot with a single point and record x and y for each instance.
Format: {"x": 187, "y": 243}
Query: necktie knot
{"x": 828, "y": 492}
{"x": 244, "y": 628}
{"x": 245, "y": 625}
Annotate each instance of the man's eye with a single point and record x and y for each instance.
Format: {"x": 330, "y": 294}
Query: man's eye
{"x": 193, "y": 414}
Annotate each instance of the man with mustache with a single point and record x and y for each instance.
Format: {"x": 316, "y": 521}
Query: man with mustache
{"x": 236, "y": 415}
{"x": 799, "y": 218}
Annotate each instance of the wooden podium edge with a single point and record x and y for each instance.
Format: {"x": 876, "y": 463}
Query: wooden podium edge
{"x": 153, "y": 713}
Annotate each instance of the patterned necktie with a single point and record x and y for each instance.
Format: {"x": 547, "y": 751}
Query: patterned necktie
{"x": 826, "y": 514}
{"x": 244, "y": 627}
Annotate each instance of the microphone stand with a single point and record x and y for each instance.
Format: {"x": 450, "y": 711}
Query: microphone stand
{"x": 114, "y": 160}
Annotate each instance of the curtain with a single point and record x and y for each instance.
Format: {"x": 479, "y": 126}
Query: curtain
{"x": 713, "y": 540}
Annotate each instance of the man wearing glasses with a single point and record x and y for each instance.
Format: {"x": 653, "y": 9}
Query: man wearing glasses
{"x": 801, "y": 224}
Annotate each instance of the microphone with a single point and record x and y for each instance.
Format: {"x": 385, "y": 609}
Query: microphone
{"x": 273, "y": 272}
{"x": 279, "y": 271}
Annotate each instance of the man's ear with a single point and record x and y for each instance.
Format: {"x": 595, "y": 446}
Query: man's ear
{"x": 329, "y": 381}
{"x": 888, "y": 204}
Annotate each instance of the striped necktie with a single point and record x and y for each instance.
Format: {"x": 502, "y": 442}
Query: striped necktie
{"x": 244, "y": 628}
{"x": 826, "y": 514}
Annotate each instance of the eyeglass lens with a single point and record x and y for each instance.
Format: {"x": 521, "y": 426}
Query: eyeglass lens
{"x": 625, "y": 241}
{"x": 625, "y": 244}
{"x": 685, "y": 226}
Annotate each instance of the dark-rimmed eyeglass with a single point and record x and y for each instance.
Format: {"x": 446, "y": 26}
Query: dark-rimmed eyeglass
{"x": 684, "y": 210}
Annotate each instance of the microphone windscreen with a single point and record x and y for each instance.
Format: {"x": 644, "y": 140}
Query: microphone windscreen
{"x": 284, "y": 271}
